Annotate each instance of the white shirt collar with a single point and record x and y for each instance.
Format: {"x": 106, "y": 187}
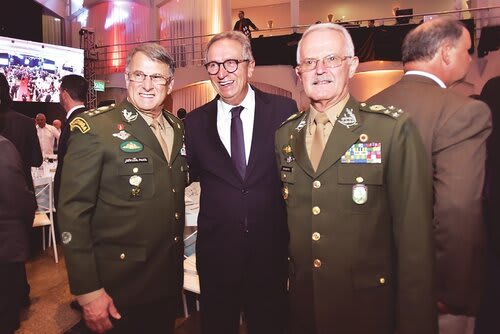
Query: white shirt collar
{"x": 248, "y": 103}
{"x": 428, "y": 75}
{"x": 68, "y": 114}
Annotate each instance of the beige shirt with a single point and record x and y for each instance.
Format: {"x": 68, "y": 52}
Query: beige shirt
{"x": 166, "y": 129}
{"x": 332, "y": 113}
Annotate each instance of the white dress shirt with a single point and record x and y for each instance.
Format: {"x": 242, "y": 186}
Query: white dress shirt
{"x": 247, "y": 117}
{"x": 47, "y": 135}
{"x": 428, "y": 75}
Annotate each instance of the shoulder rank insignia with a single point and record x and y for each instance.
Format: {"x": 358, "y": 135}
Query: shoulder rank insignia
{"x": 100, "y": 110}
{"x": 292, "y": 117}
{"x": 378, "y": 108}
{"x": 80, "y": 124}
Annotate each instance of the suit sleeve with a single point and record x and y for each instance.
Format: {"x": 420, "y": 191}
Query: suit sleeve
{"x": 78, "y": 194}
{"x": 191, "y": 156}
{"x": 458, "y": 158}
{"x": 410, "y": 198}
{"x": 251, "y": 24}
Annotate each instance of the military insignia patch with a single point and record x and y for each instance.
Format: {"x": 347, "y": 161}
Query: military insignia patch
{"x": 122, "y": 135}
{"x": 287, "y": 152}
{"x": 363, "y": 153}
{"x": 66, "y": 237}
{"x": 348, "y": 118}
{"x": 80, "y": 124}
{"x": 129, "y": 116}
{"x": 131, "y": 146}
{"x": 377, "y": 107}
{"x": 359, "y": 193}
{"x": 183, "y": 150}
{"x": 285, "y": 192}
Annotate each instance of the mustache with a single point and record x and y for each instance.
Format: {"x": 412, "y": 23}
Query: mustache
{"x": 322, "y": 77}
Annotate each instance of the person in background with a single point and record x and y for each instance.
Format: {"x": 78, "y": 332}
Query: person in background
{"x": 487, "y": 319}
{"x": 359, "y": 203}
{"x": 72, "y": 96}
{"x": 57, "y": 124}
{"x": 241, "y": 247}
{"x": 454, "y": 129}
{"x": 17, "y": 210}
{"x": 47, "y": 135}
{"x": 121, "y": 204}
{"x": 20, "y": 131}
{"x": 244, "y": 25}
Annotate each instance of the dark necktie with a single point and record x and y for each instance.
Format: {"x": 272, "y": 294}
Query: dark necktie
{"x": 237, "y": 141}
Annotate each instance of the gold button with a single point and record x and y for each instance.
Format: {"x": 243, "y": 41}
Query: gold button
{"x": 135, "y": 170}
{"x": 382, "y": 280}
{"x": 176, "y": 239}
{"x": 284, "y": 176}
{"x": 177, "y": 215}
{"x": 316, "y": 210}
{"x": 316, "y": 236}
{"x": 317, "y": 263}
{"x": 173, "y": 190}
{"x": 316, "y": 184}
{"x": 122, "y": 256}
{"x": 359, "y": 179}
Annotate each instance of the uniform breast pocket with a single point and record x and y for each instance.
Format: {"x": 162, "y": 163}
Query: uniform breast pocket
{"x": 136, "y": 178}
{"x": 361, "y": 186}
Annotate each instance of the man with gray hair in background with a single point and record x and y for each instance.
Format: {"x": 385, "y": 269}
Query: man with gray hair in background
{"x": 454, "y": 129}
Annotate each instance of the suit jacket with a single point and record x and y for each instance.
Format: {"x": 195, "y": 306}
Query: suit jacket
{"x": 61, "y": 151}
{"x": 121, "y": 207}
{"x": 454, "y": 129}
{"x": 17, "y": 206}
{"x": 21, "y": 131}
{"x": 242, "y": 222}
{"x": 361, "y": 245}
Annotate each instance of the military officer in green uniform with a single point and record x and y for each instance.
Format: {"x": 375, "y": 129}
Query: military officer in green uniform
{"x": 121, "y": 204}
{"x": 359, "y": 204}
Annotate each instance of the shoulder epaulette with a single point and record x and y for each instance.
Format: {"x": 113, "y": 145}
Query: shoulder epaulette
{"x": 292, "y": 117}
{"x": 392, "y": 111}
{"x": 100, "y": 110}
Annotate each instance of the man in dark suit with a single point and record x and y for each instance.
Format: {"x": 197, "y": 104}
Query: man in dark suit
{"x": 20, "y": 130}
{"x": 454, "y": 129}
{"x": 72, "y": 96}
{"x": 121, "y": 204}
{"x": 17, "y": 209}
{"x": 244, "y": 24}
{"x": 359, "y": 204}
{"x": 241, "y": 249}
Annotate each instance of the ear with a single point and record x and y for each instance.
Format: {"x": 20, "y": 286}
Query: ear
{"x": 126, "y": 80}
{"x": 297, "y": 71}
{"x": 170, "y": 86}
{"x": 445, "y": 52}
{"x": 251, "y": 67}
{"x": 353, "y": 66}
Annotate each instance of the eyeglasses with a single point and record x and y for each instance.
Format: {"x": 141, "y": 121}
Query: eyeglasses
{"x": 230, "y": 65}
{"x": 329, "y": 61}
{"x": 157, "y": 79}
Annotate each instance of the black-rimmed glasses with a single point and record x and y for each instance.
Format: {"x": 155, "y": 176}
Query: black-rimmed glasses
{"x": 230, "y": 65}
{"x": 157, "y": 79}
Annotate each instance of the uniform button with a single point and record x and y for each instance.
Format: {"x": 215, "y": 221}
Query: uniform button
{"x": 317, "y": 263}
{"x": 382, "y": 280}
{"x": 316, "y": 210}
{"x": 173, "y": 190}
{"x": 317, "y": 184}
{"x": 122, "y": 256}
{"x": 244, "y": 191}
{"x": 359, "y": 179}
{"x": 169, "y": 167}
{"x": 135, "y": 170}
{"x": 316, "y": 236}
{"x": 176, "y": 239}
{"x": 284, "y": 176}
{"x": 177, "y": 215}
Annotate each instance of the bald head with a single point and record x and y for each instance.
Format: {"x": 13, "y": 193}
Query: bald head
{"x": 40, "y": 120}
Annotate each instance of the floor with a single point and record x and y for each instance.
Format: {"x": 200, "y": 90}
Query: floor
{"x": 50, "y": 312}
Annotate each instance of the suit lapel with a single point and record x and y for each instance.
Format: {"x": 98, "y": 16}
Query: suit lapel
{"x": 261, "y": 124}
{"x": 178, "y": 136}
{"x": 343, "y": 136}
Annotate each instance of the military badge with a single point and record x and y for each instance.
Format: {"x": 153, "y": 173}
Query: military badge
{"x": 129, "y": 116}
{"x": 66, "y": 237}
{"x": 301, "y": 125}
{"x": 377, "y": 107}
{"x": 363, "y": 153}
{"x": 285, "y": 192}
{"x": 122, "y": 135}
{"x": 120, "y": 126}
{"x": 80, "y": 124}
{"x": 348, "y": 118}
{"x": 363, "y": 137}
{"x": 359, "y": 193}
{"x": 135, "y": 180}
{"x": 183, "y": 150}
{"x": 135, "y": 192}
{"x": 287, "y": 152}
{"x": 131, "y": 146}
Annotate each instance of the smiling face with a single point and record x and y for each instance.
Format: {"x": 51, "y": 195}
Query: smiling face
{"x": 232, "y": 87}
{"x": 146, "y": 96}
{"x": 325, "y": 86}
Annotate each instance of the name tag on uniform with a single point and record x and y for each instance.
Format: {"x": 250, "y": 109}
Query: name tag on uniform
{"x": 363, "y": 153}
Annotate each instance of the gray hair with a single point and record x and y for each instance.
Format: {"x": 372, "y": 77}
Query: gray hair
{"x": 234, "y": 36}
{"x": 422, "y": 43}
{"x": 155, "y": 52}
{"x": 329, "y": 26}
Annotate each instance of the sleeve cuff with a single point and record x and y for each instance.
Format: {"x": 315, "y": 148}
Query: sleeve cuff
{"x": 89, "y": 297}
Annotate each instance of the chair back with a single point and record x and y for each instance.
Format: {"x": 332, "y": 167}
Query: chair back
{"x": 44, "y": 194}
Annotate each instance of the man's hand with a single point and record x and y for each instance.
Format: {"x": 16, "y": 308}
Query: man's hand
{"x": 96, "y": 313}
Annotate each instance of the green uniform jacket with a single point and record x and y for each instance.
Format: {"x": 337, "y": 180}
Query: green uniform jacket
{"x": 361, "y": 244}
{"x": 121, "y": 207}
